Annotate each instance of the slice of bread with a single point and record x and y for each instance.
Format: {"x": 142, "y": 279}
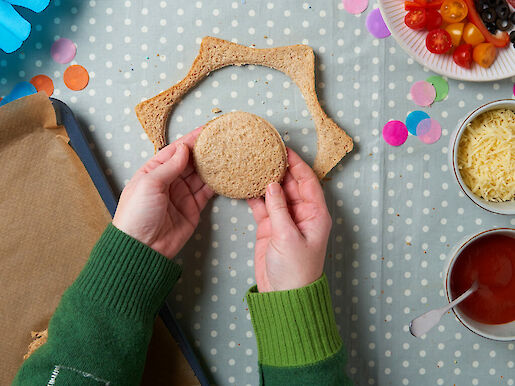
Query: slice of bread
{"x": 238, "y": 154}
{"x": 298, "y": 62}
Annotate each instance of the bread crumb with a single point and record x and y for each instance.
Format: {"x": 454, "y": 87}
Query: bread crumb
{"x": 216, "y": 110}
{"x": 38, "y": 339}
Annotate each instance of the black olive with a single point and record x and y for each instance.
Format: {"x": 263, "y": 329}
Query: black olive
{"x": 512, "y": 36}
{"x": 512, "y": 18}
{"x": 502, "y": 11}
{"x": 491, "y": 27}
{"x": 503, "y": 25}
{"x": 491, "y": 3}
{"x": 488, "y": 15}
{"x": 481, "y": 5}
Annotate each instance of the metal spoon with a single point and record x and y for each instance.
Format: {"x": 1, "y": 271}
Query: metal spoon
{"x": 422, "y": 324}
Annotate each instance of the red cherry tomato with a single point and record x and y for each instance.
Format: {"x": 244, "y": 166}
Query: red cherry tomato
{"x": 410, "y": 5}
{"x": 463, "y": 55}
{"x": 434, "y": 4}
{"x": 416, "y": 19}
{"x": 438, "y": 41}
{"x": 433, "y": 19}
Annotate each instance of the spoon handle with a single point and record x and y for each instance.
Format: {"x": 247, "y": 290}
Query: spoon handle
{"x": 461, "y": 298}
{"x": 425, "y": 322}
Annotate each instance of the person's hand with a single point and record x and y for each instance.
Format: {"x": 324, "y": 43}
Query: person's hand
{"x": 293, "y": 226}
{"x": 161, "y": 204}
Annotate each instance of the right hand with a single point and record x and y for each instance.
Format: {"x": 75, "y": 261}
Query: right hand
{"x": 293, "y": 226}
{"x": 161, "y": 204}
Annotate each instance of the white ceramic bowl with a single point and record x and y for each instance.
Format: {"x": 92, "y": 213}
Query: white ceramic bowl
{"x": 414, "y": 43}
{"x": 503, "y": 332}
{"x": 507, "y": 207}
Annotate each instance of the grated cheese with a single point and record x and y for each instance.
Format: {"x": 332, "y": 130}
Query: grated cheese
{"x": 486, "y": 155}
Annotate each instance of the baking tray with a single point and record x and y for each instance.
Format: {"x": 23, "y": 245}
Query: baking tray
{"x": 79, "y": 143}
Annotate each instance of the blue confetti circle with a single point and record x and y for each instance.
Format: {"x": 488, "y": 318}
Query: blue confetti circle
{"x": 413, "y": 119}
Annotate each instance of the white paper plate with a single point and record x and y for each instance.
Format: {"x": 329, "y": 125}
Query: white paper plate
{"x": 414, "y": 43}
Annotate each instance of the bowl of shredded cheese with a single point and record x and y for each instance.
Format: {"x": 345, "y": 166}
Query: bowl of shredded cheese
{"x": 483, "y": 156}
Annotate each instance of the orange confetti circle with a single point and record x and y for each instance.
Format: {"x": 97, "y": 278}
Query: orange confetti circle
{"x": 43, "y": 83}
{"x": 76, "y": 77}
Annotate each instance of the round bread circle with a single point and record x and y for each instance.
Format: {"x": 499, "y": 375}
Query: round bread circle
{"x": 238, "y": 154}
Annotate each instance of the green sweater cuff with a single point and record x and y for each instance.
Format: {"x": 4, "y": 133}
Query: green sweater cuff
{"x": 295, "y": 327}
{"x": 126, "y": 276}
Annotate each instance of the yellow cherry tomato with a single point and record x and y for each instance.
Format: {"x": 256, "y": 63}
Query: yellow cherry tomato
{"x": 484, "y": 54}
{"x": 454, "y": 11}
{"x": 456, "y": 32}
{"x": 472, "y": 35}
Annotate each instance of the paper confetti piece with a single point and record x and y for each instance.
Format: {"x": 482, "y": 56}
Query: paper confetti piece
{"x": 514, "y": 90}
{"x": 376, "y": 25}
{"x": 395, "y": 133}
{"x": 43, "y": 83}
{"x": 441, "y": 87}
{"x": 19, "y": 91}
{"x": 429, "y": 131}
{"x": 355, "y": 6}
{"x": 76, "y": 77}
{"x": 34, "y": 5}
{"x": 414, "y": 118}
{"x": 63, "y": 50}
{"x": 423, "y": 93}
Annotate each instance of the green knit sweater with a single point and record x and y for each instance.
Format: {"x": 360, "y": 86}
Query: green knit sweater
{"x": 101, "y": 329}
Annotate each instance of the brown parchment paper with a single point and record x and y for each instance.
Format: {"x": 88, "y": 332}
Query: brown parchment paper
{"x": 51, "y": 215}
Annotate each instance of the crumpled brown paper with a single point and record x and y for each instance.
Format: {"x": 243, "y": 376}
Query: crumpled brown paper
{"x": 51, "y": 215}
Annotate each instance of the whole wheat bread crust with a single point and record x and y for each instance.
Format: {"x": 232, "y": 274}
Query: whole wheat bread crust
{"x": 297, "y": 61}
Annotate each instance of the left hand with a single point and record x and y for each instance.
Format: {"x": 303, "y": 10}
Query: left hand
{"x": 161, "y": 204}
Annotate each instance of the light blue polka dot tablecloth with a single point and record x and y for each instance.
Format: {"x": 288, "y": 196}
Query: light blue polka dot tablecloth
{"x": 397, "y": 212}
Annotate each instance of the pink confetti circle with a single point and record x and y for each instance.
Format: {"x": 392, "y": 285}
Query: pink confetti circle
{"x": 429, "y": 130}
{"x": 395, "y": 133}
{"x": 514, "y": 90}
{"x": 423, "y": 93}
{"x": 376, "y": 25}
{"x": 63, "y": 50}
{"x": 355, "y": 6}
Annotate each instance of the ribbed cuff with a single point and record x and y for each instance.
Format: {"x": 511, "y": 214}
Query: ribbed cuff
{"x": 127, "y": 276}
{"x": 295, "y": 327}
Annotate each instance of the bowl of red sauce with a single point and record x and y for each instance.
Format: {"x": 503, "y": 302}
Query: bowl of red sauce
{"x": 488, "y": 258}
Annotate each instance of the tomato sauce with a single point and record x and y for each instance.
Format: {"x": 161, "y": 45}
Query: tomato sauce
{"x": 491, "y": 261}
